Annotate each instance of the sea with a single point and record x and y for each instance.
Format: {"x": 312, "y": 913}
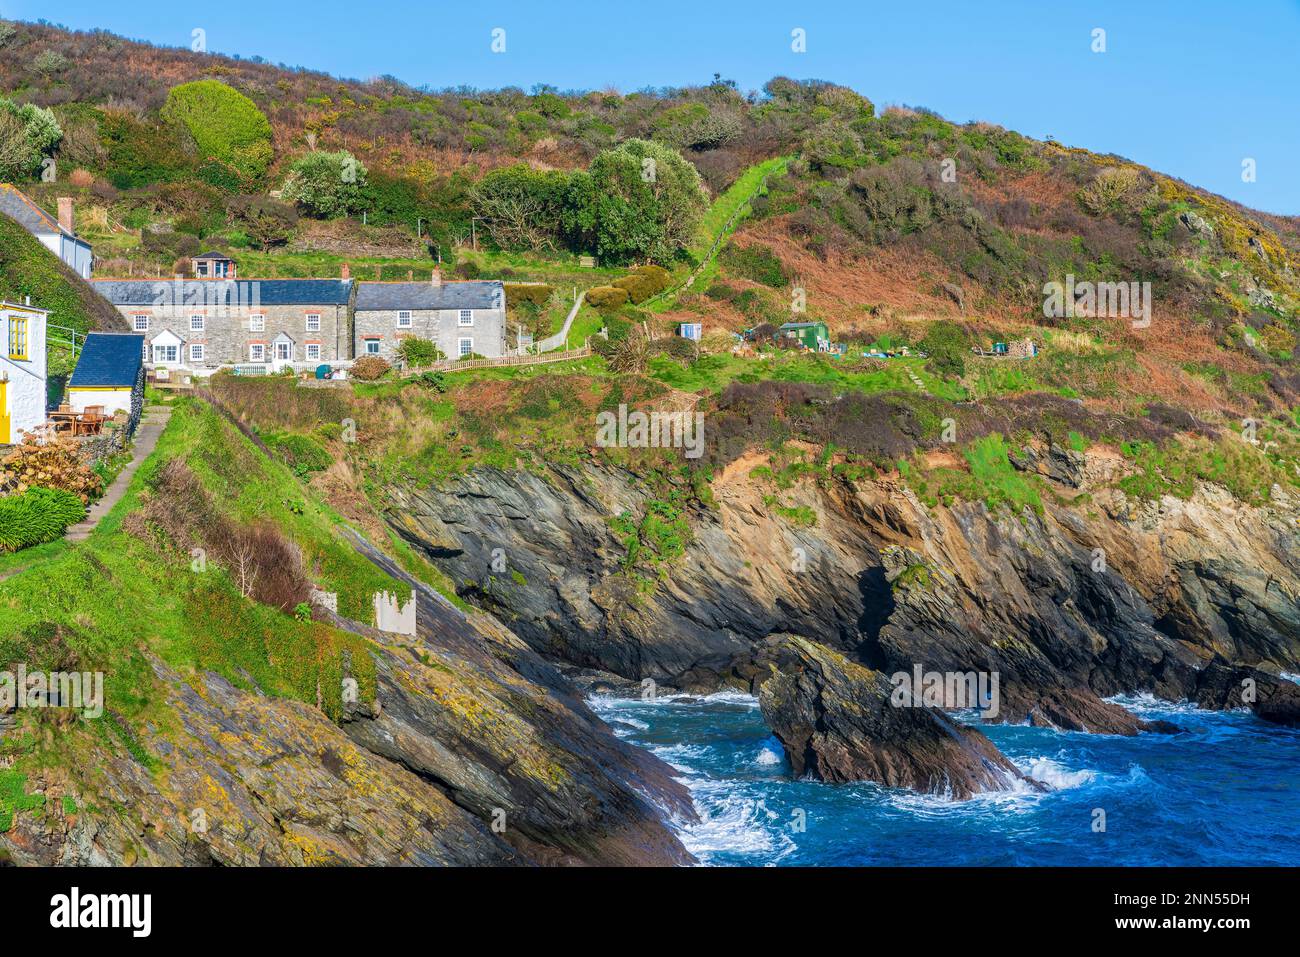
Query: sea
{"x": 1225, "y": 792}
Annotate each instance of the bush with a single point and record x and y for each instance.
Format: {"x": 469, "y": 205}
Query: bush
{"x": 518, "y": 293}
{"x": 643, "y": 283}
{"x": 37, "y": 516}
{"x": 756, "y": 263}
{"x": 56, "y": 465}
{"x": 946, "y": 344}
{"x": 370, "y": 368}
{"x": 607, "y": 297}
{"x": 415, "y": 351}
{"x": 224, "y": 124}
{"x": 28, "y": 134}
{"x": 301, "y": 453}
{"x": 327, "y": 184}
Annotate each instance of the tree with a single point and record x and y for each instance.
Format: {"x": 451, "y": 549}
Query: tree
{"x": 224, "y": 125}
{"x": 327, "y": 184}
{"x": 28, "y": 133}
{"x": 947, "y": 345}
{"x": 267, "y": 221}
{"x": 521, "y": 208}
{"x": 640, "y": 200}
{"x": 49, "y": 62}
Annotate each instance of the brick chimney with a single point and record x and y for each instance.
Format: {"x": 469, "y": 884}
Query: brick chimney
{"x": 435, "y": 277}
{"x": 346, "y": 272}
{"x": 65, "y": 213}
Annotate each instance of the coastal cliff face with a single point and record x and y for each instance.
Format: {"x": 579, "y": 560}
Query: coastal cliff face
{"x": 1069, "y": 606}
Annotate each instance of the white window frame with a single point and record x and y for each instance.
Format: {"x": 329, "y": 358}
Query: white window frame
{"x": 313, "y": 322}
{"x": 197, "y": 352}
{"x": 136, "y": 320}
{"x": 202, "y": 323}
{"x": 404, "y": 319}
{"x": 170, "y": 355}
{"x": 288, "y": 347}
{"x": 461, "y": 350}
{"x": 257, "y": 352}
{"x": 313, "y": 347}
{"x": 144, "y": 347}
{"x": 257, "y": 322}
{"x": 372, "y": 347}
{"x": 464, "y": 318}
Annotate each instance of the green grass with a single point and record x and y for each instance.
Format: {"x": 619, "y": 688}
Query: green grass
{"x": 989, "y": 477}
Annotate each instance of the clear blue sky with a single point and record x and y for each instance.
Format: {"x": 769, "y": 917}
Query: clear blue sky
{"x": 1190, "y": 88}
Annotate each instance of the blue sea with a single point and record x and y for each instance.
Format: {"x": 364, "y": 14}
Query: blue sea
{"x": 1227, "y": 792}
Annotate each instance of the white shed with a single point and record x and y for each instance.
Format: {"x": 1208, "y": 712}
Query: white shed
{"x": 22, "y": 370}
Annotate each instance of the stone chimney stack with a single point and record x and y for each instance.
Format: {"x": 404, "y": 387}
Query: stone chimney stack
{"x": 435, "y": 277}
{"x": 346, "y": 272}
{"x": 65, "y": 213}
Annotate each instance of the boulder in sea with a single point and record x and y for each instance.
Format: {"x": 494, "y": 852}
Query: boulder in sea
{"x": 837, "y": 723}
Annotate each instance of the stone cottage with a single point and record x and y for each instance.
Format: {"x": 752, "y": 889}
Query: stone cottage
{"x": 460, "y": 318}
{"x": 202, "y": 324}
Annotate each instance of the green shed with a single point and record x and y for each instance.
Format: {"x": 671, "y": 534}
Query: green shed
{"x": 812, "y": 335}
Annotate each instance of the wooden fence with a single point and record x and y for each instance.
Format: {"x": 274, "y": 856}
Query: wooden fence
{"x": 456, "y": 365}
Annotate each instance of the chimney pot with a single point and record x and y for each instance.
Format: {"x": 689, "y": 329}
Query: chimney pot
{"x": 65, "y": 213}
{"x": 346, "y": 272}
{"x": 435, "y": 277}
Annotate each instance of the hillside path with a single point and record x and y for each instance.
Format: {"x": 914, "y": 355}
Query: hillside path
{"x": 560, "y": 338}
{"x": 152, "y": 424}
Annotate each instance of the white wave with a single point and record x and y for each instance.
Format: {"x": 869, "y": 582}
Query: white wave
{"x": 1144, "y": 702}
{"x": 767, "y": 757}
{"x": 1054, "y": 775}
{"x": 732, "y": 823}
{"x": 1291, "y": 676}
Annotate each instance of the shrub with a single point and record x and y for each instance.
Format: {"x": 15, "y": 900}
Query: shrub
{"x": 756, "y": 263}
{"x": 522, "y": 208}
{"x": 946, "y": 344}
{"x": 301, "y": 453}
{"x": 28, "y": 134}
{"x": 606, "y": 297}
{"x": 370, "y": 368}
{"x": 415, "y": 351}
{"x": 521, "y": 292}
{"x": 327, "y": 184}
{"x": 223, "y": 123}
{"x": 643, "y": 283}
{"x": 36, "y": 516}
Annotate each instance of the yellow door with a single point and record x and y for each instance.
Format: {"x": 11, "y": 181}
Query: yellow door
{"x": 4, "y": 412}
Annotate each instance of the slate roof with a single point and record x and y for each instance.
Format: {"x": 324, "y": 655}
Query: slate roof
{"x": 214, "y": 255}
{"x": 478, "y": 294}
{"x": 31, "y": 217}
{"x": 246, "y": 292}
{"x": 109, "y": 359}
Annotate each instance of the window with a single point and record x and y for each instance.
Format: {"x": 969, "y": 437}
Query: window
{"x": 257, "y": 352}
{"x": 464, "y": 347}
{"x": 140, "y": 323}
{"x": 196, "y": 352}
{"x": 466, "y": 317}
{"x": 284, "y": 351}
{"x": 196, "y": 323}
{"x": 404, "y": 319}
{"x": 313, "y": 322}
{"x": 257, "y": 323}
{"x": 17, "y": 338}
{"x": 313, "y": 350}
{"x": 165, "y": 354}
{"x": 372, "y": 347}
{"x": 201, "y": 267}
{"x": 144, "y": 347}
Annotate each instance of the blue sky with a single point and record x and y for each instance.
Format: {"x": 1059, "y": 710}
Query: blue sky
{"x": 1191, "y": 88}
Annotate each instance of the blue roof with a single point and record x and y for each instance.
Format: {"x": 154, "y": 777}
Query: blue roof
{"x": 250, "y": 293}
{"x": 109, "y": 359}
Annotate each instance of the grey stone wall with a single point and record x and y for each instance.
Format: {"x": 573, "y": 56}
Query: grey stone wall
{"x": 441, "y": 326}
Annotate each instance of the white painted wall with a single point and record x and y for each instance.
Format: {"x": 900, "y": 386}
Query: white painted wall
{"x": 112, "y": 400}
{"x": 25, "y": 393}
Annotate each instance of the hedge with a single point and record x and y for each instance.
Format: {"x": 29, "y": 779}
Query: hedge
{"x": 518, "y": 293}
{"x": 607, "y": 297}
{"x": 37, "y": 516}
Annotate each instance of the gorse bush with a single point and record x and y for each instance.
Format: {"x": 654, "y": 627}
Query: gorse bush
{"x": 224, "y": 124}
{"x": 28, "y": 134}
{"x": 327, "y": 184}
{"x": 36, "y": 516}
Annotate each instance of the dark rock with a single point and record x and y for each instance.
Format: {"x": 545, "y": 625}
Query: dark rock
{"x": 837, "y": 723}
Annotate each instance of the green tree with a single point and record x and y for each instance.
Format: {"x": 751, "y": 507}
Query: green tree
{"x": 264, "y": 219}
{"x": 640, "y": 200}
{"x": 224, "y": 125}
{"x": 28, "y": 134}
{"x": 327, "y": 184}
{"x": 522, "y": 208}
{"x": 947, "y": 345}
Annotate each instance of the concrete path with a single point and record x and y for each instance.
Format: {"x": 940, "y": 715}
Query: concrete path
{"x": 152, "y": 424}
{"x": 561, "y": 338}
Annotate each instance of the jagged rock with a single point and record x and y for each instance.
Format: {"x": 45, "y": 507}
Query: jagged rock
{"x": 1281, "y": 705}
{"x": 1196, "y": 225}
{"x": 837, "y": 723}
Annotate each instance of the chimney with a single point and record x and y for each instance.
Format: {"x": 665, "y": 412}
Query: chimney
{"x": 346, "y": 272}
{"x": 65, "y": 214}
{"x": 435, "y": 277}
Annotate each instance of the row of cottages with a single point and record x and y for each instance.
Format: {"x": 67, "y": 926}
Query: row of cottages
{"x": 56, "y": 235}
{"x": 215, "y": 320}
{"x": 22, "y": 370}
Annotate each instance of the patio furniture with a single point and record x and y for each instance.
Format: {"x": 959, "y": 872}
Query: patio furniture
{"x": 64, "y": 420}
{"x": 91, "y": 421}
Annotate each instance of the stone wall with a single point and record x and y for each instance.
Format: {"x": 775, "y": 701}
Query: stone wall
{"x": 441, "y": 326}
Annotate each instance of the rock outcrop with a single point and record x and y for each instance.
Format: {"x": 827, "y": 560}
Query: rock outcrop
{"x": 1069, "y": 607}
{"x": 839, "y": 721}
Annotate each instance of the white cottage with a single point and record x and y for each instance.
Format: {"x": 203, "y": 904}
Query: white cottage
{"x": 22, "y": 370}
{"x": 56, "y": 235}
